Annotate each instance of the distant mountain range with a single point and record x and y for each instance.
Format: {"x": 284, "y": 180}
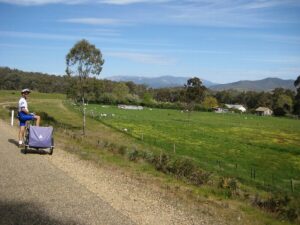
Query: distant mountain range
{"x": 158, "y": 82}
{"x": 266, "y": 84}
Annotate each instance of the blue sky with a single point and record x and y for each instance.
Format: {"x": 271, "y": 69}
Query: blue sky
{"x": 217, "y": 40}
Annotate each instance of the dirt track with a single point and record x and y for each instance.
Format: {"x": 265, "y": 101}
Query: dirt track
{"x": 62, "y": 189}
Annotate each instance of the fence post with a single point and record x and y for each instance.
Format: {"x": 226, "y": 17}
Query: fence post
{"x": 292, "y": 185}
{"x": 12, "y": 118}
{"x": 174, "y": 148}
{"x": 160, "y": 156}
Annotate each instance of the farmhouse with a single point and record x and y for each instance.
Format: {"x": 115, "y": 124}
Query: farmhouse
{"x": 132, "y": 107}
{"x": 264, "y": 111}
{"x": 238, "y": 107}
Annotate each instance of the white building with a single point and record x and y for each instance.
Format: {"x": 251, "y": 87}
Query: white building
{"x": 134, "y": 107}
{"x": 264, "y": 111}
{"x": 238, "y": 107}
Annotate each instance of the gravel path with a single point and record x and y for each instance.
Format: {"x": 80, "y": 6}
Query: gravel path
{"x": 62, "y": 189}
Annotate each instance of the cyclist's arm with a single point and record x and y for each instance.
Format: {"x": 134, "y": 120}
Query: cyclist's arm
{"x": 23, "y": 109}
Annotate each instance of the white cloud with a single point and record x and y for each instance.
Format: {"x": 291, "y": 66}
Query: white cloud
{"x": 126, "y": 2}
{"x": 278, "y": 38}
{"x": 95, "y": 21}
{"x": 42, "y": 2}
{"x": 259, "y": 4}
{"x": 112, "y": 2}
{"x": 37, "y": 35}
{"x": 144, "y": 58}
{"x": 59, "y": 37}
{"x": 227, "y": 13}
{"x": 95, "y": 32}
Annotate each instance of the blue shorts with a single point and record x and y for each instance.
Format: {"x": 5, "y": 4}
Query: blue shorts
{"x": 23, "y": 117}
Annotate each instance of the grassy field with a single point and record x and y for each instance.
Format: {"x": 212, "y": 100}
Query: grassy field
{"x": 260, "y": 151}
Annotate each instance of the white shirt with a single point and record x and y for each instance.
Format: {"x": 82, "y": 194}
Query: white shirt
{"x": 23, "y": 104}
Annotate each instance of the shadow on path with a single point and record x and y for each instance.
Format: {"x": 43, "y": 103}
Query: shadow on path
{"x": 34, "y": 151}
{"x": 28, "y": 213}
{"x": 29, "y": 151}
{"x": 13, "y": 141}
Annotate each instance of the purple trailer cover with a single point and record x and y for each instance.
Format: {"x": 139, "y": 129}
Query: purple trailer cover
{"x": 40, "y": 136}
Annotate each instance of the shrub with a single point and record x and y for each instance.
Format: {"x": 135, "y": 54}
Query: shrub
{"x": 46, "y": 118}
{"x": 133, "y": 155}
{"x": 284, "y": 207}
{"x": 122, "y": 150}
{"x": 160, "y": 162}
{"x": 229, "y": 184}
{"x": 199, "y": 177}
{"x": 148, "y": 156}
{"x": 181, "y": 167}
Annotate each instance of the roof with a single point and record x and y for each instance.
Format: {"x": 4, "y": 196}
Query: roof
{"x": 239, "y": 107}
{"x": 262, "y": 109}
{"x": 234, "y": 106}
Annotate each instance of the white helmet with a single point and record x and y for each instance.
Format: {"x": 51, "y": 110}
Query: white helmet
{"x": 25, "y": 90}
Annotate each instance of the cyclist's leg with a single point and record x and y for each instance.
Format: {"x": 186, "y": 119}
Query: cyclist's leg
{"x": 28, "y": 117}
{"x": 23, "y": 120}
{"x": 21, "y": 132}
{"x": 38, "y": 120}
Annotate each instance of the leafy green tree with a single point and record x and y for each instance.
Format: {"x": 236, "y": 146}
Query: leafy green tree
{"x": 297, "y": 82}
{"x": 228, "y": 96}
{"x": 195, "y": 90}
{"x": 297, "y": 97}
{"x": 84, "y": 60}
{"x": 210, "y": 102}
{"x": 121, "y": 91}
{"x": 283, "y": 105}
{"x": 148, "y": 99}
{"x": 264, "y": 99}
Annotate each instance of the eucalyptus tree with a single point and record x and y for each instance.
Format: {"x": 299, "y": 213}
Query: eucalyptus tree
{"x": 82, "y": 61}
{"x": 195, "y": 90}
{"x": 297, "y": 97}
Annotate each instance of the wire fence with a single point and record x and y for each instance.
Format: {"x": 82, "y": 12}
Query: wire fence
{"x": 253, "y": 175}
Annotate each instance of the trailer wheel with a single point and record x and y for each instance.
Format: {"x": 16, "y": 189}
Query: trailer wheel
{"x": 51, "y": 151}
{"x": 25, "y": 149}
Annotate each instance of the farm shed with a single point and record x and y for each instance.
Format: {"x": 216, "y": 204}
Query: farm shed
{"x": 264, "y": 111}
{"x": 133, "y": 107}
{"x": 238, "y": 107}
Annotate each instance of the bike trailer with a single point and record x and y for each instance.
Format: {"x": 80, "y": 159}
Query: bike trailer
{"x": 40, "y": 137}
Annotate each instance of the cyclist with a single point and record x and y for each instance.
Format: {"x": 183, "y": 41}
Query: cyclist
{"x": 24, "y": 115}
